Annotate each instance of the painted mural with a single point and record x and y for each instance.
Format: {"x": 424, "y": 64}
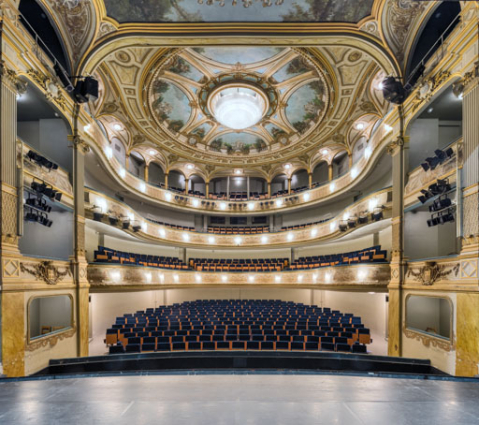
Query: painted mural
{"x": 170, "y": 105}
{"x": 292, "y": 69}
{"x": 181, "y": 67}
{"x": 305, "y": 105}
{"x": 192, "y": 11}
{"x": 238, "y": 143}
{"x": 233, "y": 55}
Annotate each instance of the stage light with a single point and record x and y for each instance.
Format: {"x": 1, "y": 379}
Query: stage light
{"x": 136, "y": 228}
{"x": 362, "y": 219}
{"x": 98, "y": 216}
{"x": 440, "y": 204}
{"x": 86, "y": 90}
{"x": 393, "y": 90}
{"x": 113, "y": 220}
{"x": 377, "y": 214}
{"x": 125, "y": 224}
{"x": 343, "y": 226}
{"x": 352, "y": 222}
{"x": 425, "y": 196}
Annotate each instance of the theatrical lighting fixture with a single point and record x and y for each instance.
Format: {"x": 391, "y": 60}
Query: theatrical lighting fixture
{"x": 43, "y": 219}
{"x": 430, "y": 164}
{"x": 63, "y": 76}
{"x": 393, "y": 90}
{"x": 97, "y": 216}
{"x": 136, "y": 227}
{"x": 441, "y": 203}
{"x": 425, "y": 196}
{"x": 113, "y": 220}
{"x": 441, "y": 217}
{"x": 39, "y": 203}
{"x": 440, "y": 187}
{"x": 125, "y": 224}
{"x": 377, "y": 214}
{"x": 443, "y": 155}
{"x": 41, "y": 160}
{"x": 86, "y": 90}
{"x": 343, "y": 225}
{"x": 363, "y": 218}
{"x": 352, "y": 222}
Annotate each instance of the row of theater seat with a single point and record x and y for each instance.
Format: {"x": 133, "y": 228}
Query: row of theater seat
{"x": 252, "y": 230}
{"x": 239, "y": 265}
{"x": 368, "y": 255}
{"x": 174, "y": 226}
{"x": 302, "y": 226}
{"x": 238, "y": 325}
{"x": 106, "y": 255}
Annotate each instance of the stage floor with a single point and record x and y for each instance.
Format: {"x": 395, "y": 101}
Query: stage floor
{"x": 239, "y": 399}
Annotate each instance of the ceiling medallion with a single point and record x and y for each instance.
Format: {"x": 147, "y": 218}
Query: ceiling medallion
{"x": 246, "y": 3}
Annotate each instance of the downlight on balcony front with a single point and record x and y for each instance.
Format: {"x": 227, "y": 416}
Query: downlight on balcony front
{"x": 238, "y": 106}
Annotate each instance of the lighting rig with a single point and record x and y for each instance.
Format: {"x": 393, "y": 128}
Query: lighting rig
{"x": 36, "y": 204}
{"x": 41, "y": 161}
{"x": 442, "y": 208}
{"x": 440, "y": 156}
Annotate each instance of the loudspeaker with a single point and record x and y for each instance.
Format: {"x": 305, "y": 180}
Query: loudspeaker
{"x": 86, "y": 90}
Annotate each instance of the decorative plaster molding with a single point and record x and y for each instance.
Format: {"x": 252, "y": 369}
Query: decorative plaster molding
{"x": 432, "y": 272}
{"x": 50, "y": 340}
{"x": 429, "y": 341}
{"x": 46, "y": 271}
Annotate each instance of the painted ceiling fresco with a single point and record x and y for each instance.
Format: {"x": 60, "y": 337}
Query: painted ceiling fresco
{"x": 191, "y": 11}
{"x": 296, "y": 89}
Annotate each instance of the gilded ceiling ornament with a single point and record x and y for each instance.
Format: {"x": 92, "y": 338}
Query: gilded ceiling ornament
{"x": 210, "y": 168}
{"x": 122, "y": 56}
{"x": 367, "y": 106}
{"x": 371, "y": 27}
{"x": 46, "y": 271}
{"x": 110, "y": 107}
{"x": 429, "y": 88}
{"x": 105, "y": 29}
{"x": 338, "y": 138}
{"x": 11, "y": 76}
{"x": 246, "y": 3}
{"x": 138, "y": 139}
{"x": 354, "y": 56}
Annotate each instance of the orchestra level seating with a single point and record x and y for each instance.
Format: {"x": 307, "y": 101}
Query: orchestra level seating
{"x": 239, "y": 265}
{"x": 237, "y": 325}
{"x": 251, "y": 230}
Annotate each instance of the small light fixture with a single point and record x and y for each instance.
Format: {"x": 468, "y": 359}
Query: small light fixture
{"x": 190, "y": 166}
{"x": 251, "y": 278}
{"x": 198, "y": 278}
{"x": 142, "y": 186}
{"x": 279, "y": 202}
{"x": 380, "y": 86}
{"x": 332, "y": 226}
{"x": 175, "y": 278}
{"x": 144, "y": 227}
{"x": 122, "y": 172}
{"x": 300, "y": 278}
{"x": 264, "y": 239}
{"x": 367, "y": 152}
{"x": 251, "y": 206}
{"x": 429, "y": 110}
{"x": 332, "y": 187}
{"x": 315, "y": 277}
{"x": 238, "y": 171}
{"x": 388, "y": 128}
{"x": 87, "y": 127}
{"x": 361, "y": 274}
{"x": 306, "y": 197}
{"x": 346, "y": 216}
{"x": 277, "y": 279}
{"x": 327, "y": 277}
{"x": 117, "y": 127}
{"x": 223, "y": 205}
{"x": 148, "y": 277}
{"x": 354, "y": 172}
{"x": 238, "y": 240}
{"x": 324, "y": 151}
{"x": 195, "y": 203}
{"x": 290, "y": 236}
{"x": 162, "y": 232}
{"x": 359, "y": 126}
{"x": 372, "y": 204}
{"x": 168, "y": 196}
{"x": 109, "y": 152}
{"x": 185, "y": 237}
{"x": 211, "y": 240}
{"x": 224, "y": 278}
{"x": 287, "y": 166}
{"x": 152, "y": 153}
{"x": 314, "y": 232}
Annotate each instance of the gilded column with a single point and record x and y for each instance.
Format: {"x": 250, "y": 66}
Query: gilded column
{"x": 207, "y": 189}
{"x": 397, "y": 150}
{"x": 269, "y": 189}
{"x": 330, "y": 172}
{"x": 12, "y": 307}
{"x": 145, "y": 175}
{"x": 289, "y": 185}
{"x": 310, "y": 180}
{"x": 470, "y": 174}
{"x": 166, "y": 180}
{"x": 79, "y": 260}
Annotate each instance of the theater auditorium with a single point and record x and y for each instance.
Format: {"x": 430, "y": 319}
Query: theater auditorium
{"x": 239, "y": 211}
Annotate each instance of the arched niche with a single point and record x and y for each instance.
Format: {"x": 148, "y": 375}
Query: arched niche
{"x": 156, "y": 175}
{"x": 321, "y": 173}
{"x": 119, "y": 151}
{"x": 176, "y": 180}
{"x": 136, "y": 164}
{"x": 358, "y": 148}
{"x": 279, "y": 184}
{"x": 196, "y": 185}
{"x": 340, "y": 164}
{"x": 300, "y": 179}
{"x": 257, "y": 186}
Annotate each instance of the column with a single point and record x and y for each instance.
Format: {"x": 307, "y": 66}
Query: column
{"x": 247, "y": 187}
{"x": 350, "y": 157}
{"x": 398, "y": 150}
{"x": 289, "y": 185}
{"x": 187, "y": 183}
{"x": 127, "y": 162}
{"x": 310, "y": 181}
{"x": 207, "y": 189}
{"x": 228, "y": 187}
{"x": 12, "y": 303}
{"x": 145, "y": 176}
{"x": 269, "y": 189}
{"x": 330, "y": 172}
{"x": 166, "y": 180}
{"x": 467, "y": 340}
{"x": 79, "y": 262}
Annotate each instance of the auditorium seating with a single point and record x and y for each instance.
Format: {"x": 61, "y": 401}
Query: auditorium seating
{"x": 239, "y": 265}
{"x": 107, "y": 255}
{"x": 238, "y": 325}
{"x": 174, "y": 226}
{"x": 238, "y": 196}
{"x": 368, "y": 255}
{"x": 302, "y": 226}
{"x": 251, "y": 230}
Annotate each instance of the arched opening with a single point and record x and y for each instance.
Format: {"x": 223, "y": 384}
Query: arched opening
{"x": 340, "y": 164}
{"x": 279, "y": 185}
{"x": 358, "y": 148}
{"x": 258, "y": 188}
{"x": 176, "y": 181}
{"x": 320, "y": 173}
{"x": 38, "y": 21}
{"x": 218, "y": 188}
{"x": 441, "y": 22}
{"x": 156, "y": 175}
{"x": 137, "y": 165}
{"x": 196, "y": 186}
{"x": 119, "y": 151}
{"x": 300, "y": 180}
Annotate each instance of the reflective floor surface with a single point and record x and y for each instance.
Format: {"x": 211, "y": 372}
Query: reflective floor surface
{"x": 239, "y": 399}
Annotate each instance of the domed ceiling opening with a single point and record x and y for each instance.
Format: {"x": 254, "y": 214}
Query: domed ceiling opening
{"x": 212, "y": 101}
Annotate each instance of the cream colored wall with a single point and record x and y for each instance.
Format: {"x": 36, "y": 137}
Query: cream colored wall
{"x": 39, "y": 358}
{"x": 372, "y": 308}
{"x": 239, "y": 253}
{"x": 414, "y": 347}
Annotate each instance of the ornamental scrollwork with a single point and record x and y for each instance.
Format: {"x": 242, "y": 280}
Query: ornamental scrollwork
{"x": 428, "y": 88}
{"x": 50, "y": 340}
{"x": 46, "y": 271}
{"x": 79, "y": 143}
{"x": 429, "y": 341}
{"x": 431, "y": 272}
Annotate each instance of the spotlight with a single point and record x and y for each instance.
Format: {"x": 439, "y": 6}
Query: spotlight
{"x": 43, "y": 219}
{"x": 125, "y": 224}
{"x": 440, "y": 204}
{"x": 443, "y": 155}
{"x": 377, "y": 214}
{"x": 343, "y": 226}
{"x": 98, "y": 216}
{"x": 441, "y": 217}
{"x": 136, "y": 228}
{"x": 86, "y": 90}
{"x": 351, "y": 222}
{"x": 362, "y": 219}
{"x": 425, "y": 196}
{"x": 113, "y": 220}
{"x": 63, "y": 76}
{"x": 393, "y": 90}
{"x": 440, "y": 187}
